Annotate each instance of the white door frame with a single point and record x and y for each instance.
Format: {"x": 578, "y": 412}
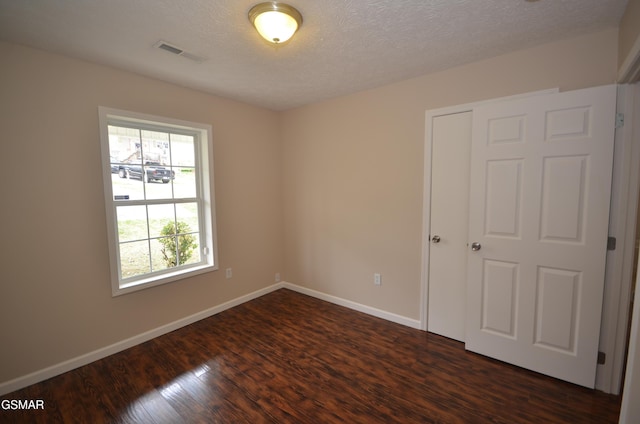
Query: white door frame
{"x": 626, "y": 182}
{"x": 620, "y": 262}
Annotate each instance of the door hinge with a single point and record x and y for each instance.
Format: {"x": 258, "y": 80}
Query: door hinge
{"x": 602, "y": 358}
{"x": 619, "y": 120}
{"x": 611, "y": 243}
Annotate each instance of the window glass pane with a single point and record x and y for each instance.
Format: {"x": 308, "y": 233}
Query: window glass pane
{"x": 161, "y": 220}
{"x": 157, "y": 179}
{"x": 134, "y": 259}
{"x": 169, "y": 251}
{"x": 194, "y": 257}
{"x": 183, "y": 150}
{"x": 124, "y": 188}
{"x": 132, "y": 223}
{"x": 155, "y": 147}
{"x": 184, "y": 184}
{"x": 187, "y": 213}
{"x": 187, "y": 246}
{"x": 163, "y": 254}
{"x": 124, "y": 145}
{"x": 125, "y": 158}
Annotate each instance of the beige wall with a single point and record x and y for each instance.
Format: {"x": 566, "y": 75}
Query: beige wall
{"x": 55, "y": 295}
{"x": 353, "y": 168}
{"x": 629, "y": 30}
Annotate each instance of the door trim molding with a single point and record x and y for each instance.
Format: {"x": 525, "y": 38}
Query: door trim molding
{"x": 622, "y": 225}
{"x": 629, "y": 71}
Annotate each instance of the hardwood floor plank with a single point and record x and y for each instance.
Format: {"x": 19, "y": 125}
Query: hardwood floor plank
{"x": 290, "y": 358}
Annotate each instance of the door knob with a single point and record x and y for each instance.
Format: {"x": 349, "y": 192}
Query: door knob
{"x": 475, "y": 246}
{"x": 435, "y": 239}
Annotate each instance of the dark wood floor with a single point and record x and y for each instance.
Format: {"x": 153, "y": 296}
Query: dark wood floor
{"x": 289, "y": 358}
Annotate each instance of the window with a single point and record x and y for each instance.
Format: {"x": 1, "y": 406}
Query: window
{"x": 158, "y": 197}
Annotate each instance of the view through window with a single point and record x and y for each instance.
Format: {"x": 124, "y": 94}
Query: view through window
{"x": 158, "y": 203}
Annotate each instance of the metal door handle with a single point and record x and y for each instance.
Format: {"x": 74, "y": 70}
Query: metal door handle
{"x": 475, "y": 246}
{"x": 435, "y": 239}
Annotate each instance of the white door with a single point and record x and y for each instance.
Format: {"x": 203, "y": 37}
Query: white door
{"x": 539, "y": 205}
{"x": 451, "y": 149}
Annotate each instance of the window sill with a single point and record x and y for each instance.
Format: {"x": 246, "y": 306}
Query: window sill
{"x": 120, "y": 288}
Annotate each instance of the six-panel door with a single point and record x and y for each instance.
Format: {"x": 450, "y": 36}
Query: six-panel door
{"x": 539, "y": 206}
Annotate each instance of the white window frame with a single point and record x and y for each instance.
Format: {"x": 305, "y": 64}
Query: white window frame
{"x": 205, "y": 195}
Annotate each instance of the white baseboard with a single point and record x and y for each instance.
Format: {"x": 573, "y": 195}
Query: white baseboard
{"x": 398, "y": 319}
{"x": 54, "y": 370}
{"x": 79, "y": 361}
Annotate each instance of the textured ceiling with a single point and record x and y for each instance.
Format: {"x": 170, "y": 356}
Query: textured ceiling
{"x": 343, "y": 46}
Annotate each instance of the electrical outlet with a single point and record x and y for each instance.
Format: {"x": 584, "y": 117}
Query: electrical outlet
{"x": 277, "y": 278}
{"x": 377, "y": 279}
{"x": 229, "y": 273}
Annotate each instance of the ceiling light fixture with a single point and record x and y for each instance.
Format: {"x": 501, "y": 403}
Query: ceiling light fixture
{"x": 276, "y": 22}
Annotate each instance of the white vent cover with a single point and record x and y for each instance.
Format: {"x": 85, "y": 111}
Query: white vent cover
{"x": 168, "y": 47}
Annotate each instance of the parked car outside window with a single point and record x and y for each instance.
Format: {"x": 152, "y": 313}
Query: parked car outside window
{"x": 152, "y": 171}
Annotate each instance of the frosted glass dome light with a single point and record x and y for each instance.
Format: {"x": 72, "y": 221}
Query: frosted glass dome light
{"x": 275, "y": 22}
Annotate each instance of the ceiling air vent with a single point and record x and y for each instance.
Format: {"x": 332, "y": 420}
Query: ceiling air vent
{"x": 163, "y": 45}
{"x": 168, "y": 47}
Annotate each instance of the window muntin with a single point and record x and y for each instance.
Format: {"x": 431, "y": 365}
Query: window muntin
{"x": 158, "y": 199}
